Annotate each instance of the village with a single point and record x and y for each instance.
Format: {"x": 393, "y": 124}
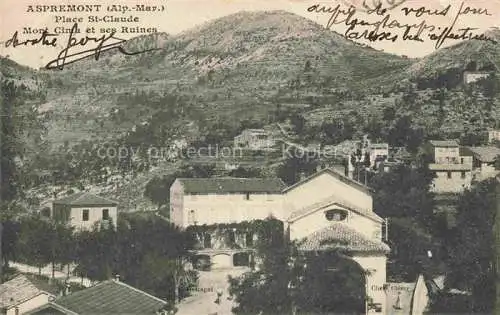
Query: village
{"x": 255, "y": 164}
{"x": 330, "y": 210}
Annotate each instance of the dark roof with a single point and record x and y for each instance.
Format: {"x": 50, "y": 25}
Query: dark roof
{"x": 49, "y": 309}
{"x": 85, "y": 199}
{"x": 338, "y": 176}
{"x": 339, "y": 236}
{"x": 110, "y": 297}
{"x": 486, "y": 154}
{"x": 22, "y": 288}
{"x": 444, "y": 143}
{"x": 232, "y": 185}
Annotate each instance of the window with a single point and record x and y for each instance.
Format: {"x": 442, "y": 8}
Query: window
{"x": 105, "y": 214}
{"x": 336, "y": 215}
{"x": 249, "y": 239}
{"x": 85, "y": 215}
{"x": 191, "y": 217}
{"x": 449, "y": 175}
{"x": 207, "y": 240}
{"x": 463, "y": 175}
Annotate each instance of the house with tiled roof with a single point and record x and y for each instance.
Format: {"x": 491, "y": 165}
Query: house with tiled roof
{"x": 483, "y": 161}
{"x": 84, "y": 210}
{"x": 24, "y": 293}
{"x": 106, "y": 298}
{"x": 198, "y": 201}
{"x": 331, "y": 212}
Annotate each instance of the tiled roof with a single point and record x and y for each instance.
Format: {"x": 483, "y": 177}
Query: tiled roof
{"x": 232, "y": 185}
{"x": 486, "y": 154}
{"x": 85, "y": 199}
{"x": 450, "y": 167}
{"x": 335, "y": 174}
{"x": 111, "y": 298}
{"x": 333, "y": 200}
{"x": 341, "y": 237}
{"x": 22, "y": 288}
{"x": 444, "y": 143}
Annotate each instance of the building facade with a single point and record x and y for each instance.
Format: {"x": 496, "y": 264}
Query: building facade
{"x": 325, "y": 207}
{"x": 453, "y": 171}
{"x": 493, "y": 135}
{"x": 379, "y": 152}
{"x": 329, "y": 211}
{"x": 254, "y": 139}
{"x": 474, "y": 76}
{"x": 84, "y": 210}
{"x": 23, "y": 294}
{"x": 484, "y": 160}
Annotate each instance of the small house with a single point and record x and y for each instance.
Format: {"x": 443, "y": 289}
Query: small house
{"x": 84, "y": 210}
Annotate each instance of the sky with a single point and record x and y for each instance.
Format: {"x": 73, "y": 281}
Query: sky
{"x": 180, "y": 15}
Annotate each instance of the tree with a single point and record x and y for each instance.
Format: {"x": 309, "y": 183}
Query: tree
{"x": 34, "y": 245}
{"x": 242, "y": 172}
{"x": 289, "y": 281}
{"x": 404, "y": 192}
{"x": 295, "y": 166}
{"x": 158, "y": 188}
{"x": 472, "y": 259}
{"x": 298, "y": 123}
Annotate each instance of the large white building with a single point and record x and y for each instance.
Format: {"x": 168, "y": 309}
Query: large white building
{"x": 326, "y": 211}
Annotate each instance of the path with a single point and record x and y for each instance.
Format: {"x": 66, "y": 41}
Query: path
{"x": 203, "y": 303}
{"x": 47, "y": 271}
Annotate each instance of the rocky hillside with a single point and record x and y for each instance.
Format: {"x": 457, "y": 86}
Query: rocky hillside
{"x": 230, "y": 66}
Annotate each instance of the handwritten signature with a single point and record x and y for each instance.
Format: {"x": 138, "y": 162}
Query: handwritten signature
{"x": 384, "y": 28}
{"x": 70, "y": 53}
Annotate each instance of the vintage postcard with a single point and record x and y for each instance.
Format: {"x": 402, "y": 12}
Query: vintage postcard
{"x": 249, "y": 157}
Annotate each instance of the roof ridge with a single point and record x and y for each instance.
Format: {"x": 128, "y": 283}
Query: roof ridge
{"x": 332, "y": 200}
{"x": 332, "y": 171}
{"x": 138, "y": 290}
{"x": 338, "y": 225}
{"x": 80, "y": 292}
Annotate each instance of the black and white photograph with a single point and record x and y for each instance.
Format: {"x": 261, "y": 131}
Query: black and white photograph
{"x": 249, "y": 157}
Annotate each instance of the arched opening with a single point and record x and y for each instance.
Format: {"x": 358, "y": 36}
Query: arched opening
{"x": 241, "y": 260}
{"x": 202, "y": 262}
{"x": 221, "y": 261}
{"x": 332, "y": 284}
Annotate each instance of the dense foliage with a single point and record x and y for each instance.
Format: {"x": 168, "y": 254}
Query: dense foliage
{"x": 285, "y": 280}
{"x": 147, "y": 252}
{"x": 472, "y": 259}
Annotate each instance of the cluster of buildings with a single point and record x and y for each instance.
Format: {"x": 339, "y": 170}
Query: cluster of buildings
{"x": 326, "y": 211}
{"x": 457, "y": 168}
{"x": 29, "y": 295}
